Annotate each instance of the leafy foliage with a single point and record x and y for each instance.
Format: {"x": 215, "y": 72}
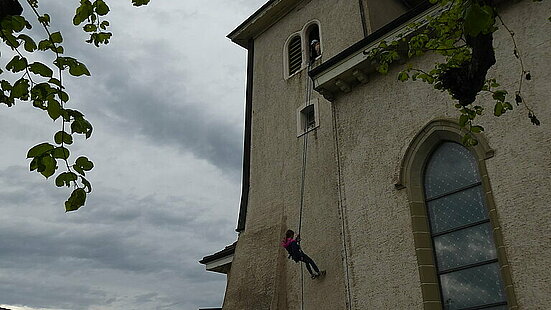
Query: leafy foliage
{"x": 461, "y": 33}
{"x": 41, "y": 84}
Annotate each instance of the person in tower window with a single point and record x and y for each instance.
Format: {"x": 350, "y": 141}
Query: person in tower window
{"x": 315, "y": 49}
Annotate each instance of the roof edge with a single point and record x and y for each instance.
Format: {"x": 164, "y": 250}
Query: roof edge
{"x": 227, "y": 251}
{"x": 397, "y": 22}
{"x": 261, "y": 20}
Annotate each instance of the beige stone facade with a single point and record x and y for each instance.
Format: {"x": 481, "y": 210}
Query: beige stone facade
{"x": 364, "y": 218}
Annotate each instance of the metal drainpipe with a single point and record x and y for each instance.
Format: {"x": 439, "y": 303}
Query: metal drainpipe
{"x": 247, "y": 140}
{"x": 364, "y": 21}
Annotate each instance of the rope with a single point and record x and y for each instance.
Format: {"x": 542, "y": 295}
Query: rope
{"x": 304, "y": 153}
{"x": 342, "y": 211}
{"x": 309, "y": 88}
{"x": 303, "y": 177}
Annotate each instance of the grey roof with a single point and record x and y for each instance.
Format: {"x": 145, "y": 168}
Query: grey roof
{"x": 227, "y": 251}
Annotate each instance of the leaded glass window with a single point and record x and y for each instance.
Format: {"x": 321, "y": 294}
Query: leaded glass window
{"x": 466, "y": 257}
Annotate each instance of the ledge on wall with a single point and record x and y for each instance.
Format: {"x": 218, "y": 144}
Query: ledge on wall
{"x": 352, "y": 66}
{"x": 220, "y": 261}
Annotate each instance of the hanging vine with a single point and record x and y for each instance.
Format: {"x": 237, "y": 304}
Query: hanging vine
{"x": 41, "y": 84}
{"x": 463, "y": 34}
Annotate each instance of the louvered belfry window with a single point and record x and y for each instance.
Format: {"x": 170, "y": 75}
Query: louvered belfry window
{"x": 466, "y": 256}
{"x": 295, "y": 55}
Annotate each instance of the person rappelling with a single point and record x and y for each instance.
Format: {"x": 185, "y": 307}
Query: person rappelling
{"x": 292, "y": 246}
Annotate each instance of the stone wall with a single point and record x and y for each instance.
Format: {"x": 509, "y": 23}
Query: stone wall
{"x": 260, "y": 267}
{"x": 376, "y": 123}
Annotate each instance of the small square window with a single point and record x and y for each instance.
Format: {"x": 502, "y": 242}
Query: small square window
{"x": 307, "y": 117}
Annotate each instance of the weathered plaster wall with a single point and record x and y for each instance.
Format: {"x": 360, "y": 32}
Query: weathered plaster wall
{"x": 262, "y": 276}
{"x": 376, "y": 123}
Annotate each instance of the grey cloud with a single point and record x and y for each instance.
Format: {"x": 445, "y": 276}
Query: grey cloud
{"x": 94, "y": 242}
{"x": 147, "y": 94}
{"x": 37, "y": 293}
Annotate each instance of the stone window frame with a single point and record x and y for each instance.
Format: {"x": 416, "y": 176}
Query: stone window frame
{"x": 303, "y": 33}
{"x": 301, "y": 117}
{"x": 411, "y": 179}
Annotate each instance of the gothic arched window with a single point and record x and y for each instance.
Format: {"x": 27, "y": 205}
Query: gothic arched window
{"x": 465, "y": 254}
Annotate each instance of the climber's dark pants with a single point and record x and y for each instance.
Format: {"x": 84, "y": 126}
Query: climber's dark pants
{"x": 309, "y": 262}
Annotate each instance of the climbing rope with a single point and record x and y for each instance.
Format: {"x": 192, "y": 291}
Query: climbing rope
{"x": 342, "y": 211}
{"x": 303, "y": 177}
{"x": 309, "y": 88}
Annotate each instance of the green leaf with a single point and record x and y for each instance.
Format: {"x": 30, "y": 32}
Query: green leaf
{"x": 39, "y": 150}
{"x": 463, "y": 119}
{"x": 14, "y": 22}
{"x": 383, "y": 68}
{"x": 21, "y": 89}
{"x": 140, "y": 2}
{"x": 30, "y": 45}
{"x": 499, "y": 95}
{"x": 403, "y": 76}
{"x": 104, "y": 24}
{"x": 74, "y": 113}
{"x": 477, "y": 129}
{"x": 63, "y": 137}
{"x": 533, "y": 118}
{"x": 56, "y": 82}
{"x": 76, "y": 68}
{"x": 54, "y": 109}
{"x": 56, "y": 37}
{"x": 65, "y": 179}
{"x": 83, "y": 12}
{"x": 498, "y": 109}
{"x": 90, "y": 28}
{"x": 100, "y": 38}
{"x": 34, "y": 164}
{"x": 101, "y": 7}
{"x": 5, "y": 85}
{"x": 17, "y": 64}
{"x": 79, "y": 170}
{"x": 63, "y": 96}
{"x": 45, "y": 45}
{"x": 478, "y": 19}
{"x": 41, "y": 69}
{"x": 82, "y": 126}
{"x": 469, "y": 140}
{"x": 45, "y": 19}
{"x": 61, "y": 153}
{"x": 79, "y": 69}
{"x": 76, "y": 200}
{"x": 84, "y": 163}
{"x": 518, "y": 98}
{"x": 87, "y": 185}
{"x": 49, "y": 166}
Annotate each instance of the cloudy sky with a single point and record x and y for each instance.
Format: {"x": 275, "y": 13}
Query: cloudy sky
{"x": 166, "y": 99}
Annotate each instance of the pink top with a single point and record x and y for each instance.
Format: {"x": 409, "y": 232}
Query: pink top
{"x": 286, "y": 242}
